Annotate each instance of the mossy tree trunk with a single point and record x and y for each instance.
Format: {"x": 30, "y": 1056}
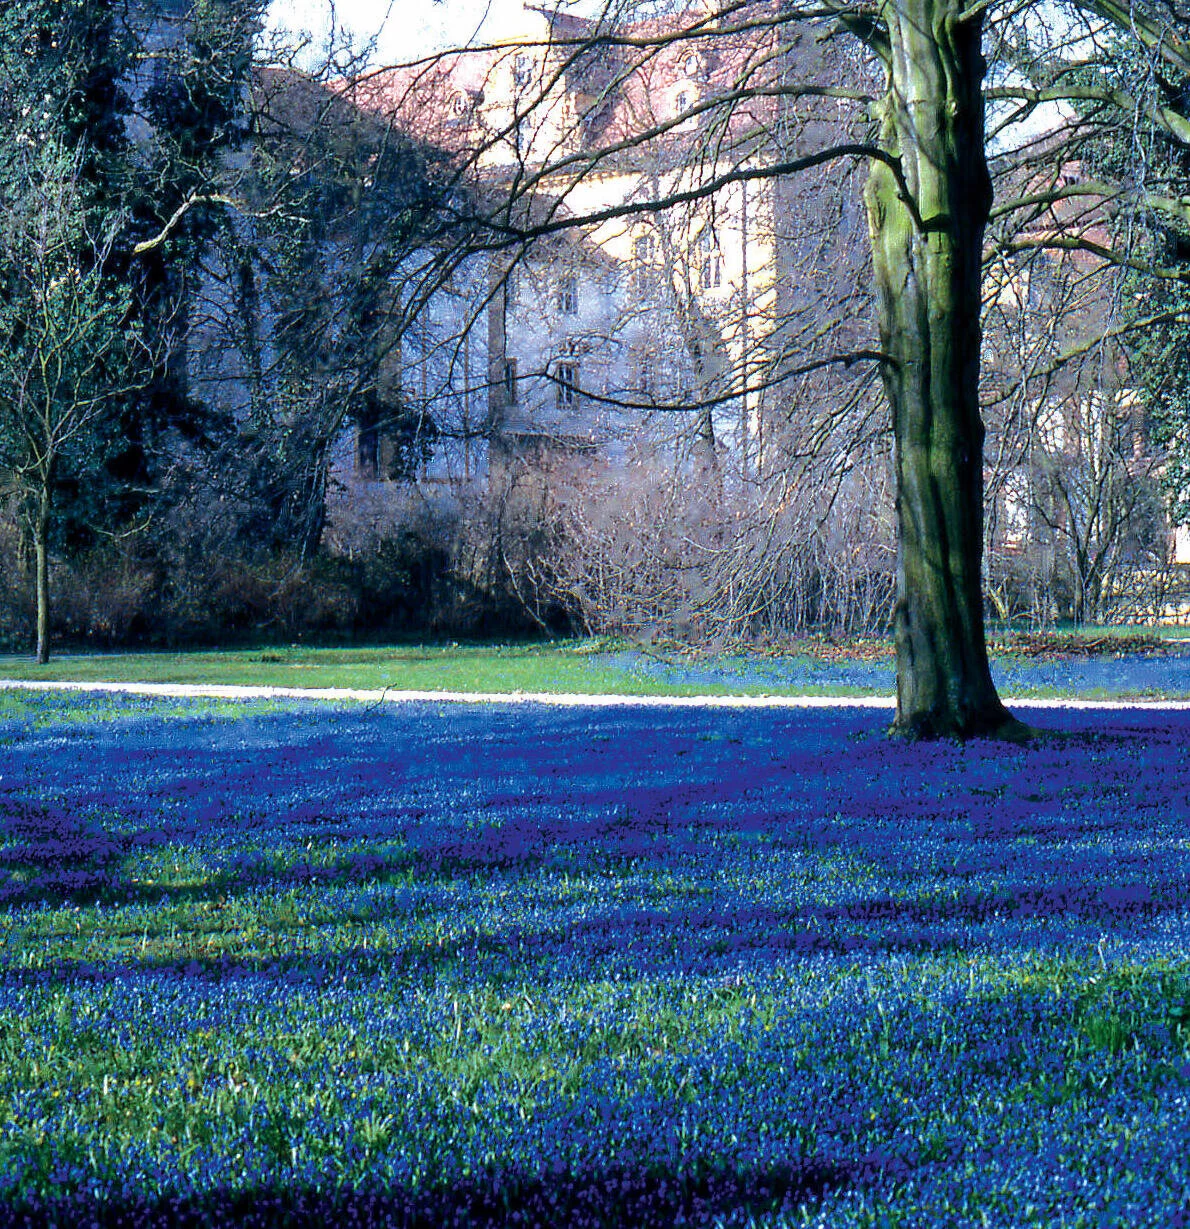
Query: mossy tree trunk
{"x": 927, "y": 209}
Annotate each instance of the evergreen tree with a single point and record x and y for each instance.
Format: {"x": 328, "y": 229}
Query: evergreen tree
{"x": 1159, "y": 347}
{"x": 145, "y": 103}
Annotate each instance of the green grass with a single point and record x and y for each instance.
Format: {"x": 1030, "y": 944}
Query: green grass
{"x": 87, "y": 708}
{"x": 1122, "y": 631}
{"x": 595, "y": 666}
{"x": 560, "y": 666}
{"x": 552, "y": 667}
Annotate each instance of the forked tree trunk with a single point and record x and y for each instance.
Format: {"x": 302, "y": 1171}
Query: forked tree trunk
{"x": 927, "y": 229}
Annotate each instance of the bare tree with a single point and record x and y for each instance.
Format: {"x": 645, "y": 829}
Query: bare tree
{"x": 67, "y": 354}
{"x": 768, "y": 111}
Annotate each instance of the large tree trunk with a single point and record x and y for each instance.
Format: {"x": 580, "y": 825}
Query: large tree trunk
{"x": 927, "y": 227}
{"x": 41, "y": 546}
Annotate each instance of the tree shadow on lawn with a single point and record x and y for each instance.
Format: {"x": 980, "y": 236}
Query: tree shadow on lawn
{"x": 614, "y": 1197}
{"x": 693, "y": 939}
{"x": 65, "y": 862}
{"x": 51, "y": 855}
{"x": 869, "y": 799}
{"x": 613, "y": 804}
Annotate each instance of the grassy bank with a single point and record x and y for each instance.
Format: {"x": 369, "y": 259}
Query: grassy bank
{"x": 586, "y": 667}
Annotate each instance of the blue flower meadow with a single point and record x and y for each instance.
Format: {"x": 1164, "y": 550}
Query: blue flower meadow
{"x": 475, "y": 966}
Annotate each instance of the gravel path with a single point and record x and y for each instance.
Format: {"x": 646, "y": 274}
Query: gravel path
{"x": 559, "y": 699}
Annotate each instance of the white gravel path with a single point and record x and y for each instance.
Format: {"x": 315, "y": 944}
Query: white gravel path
{"x": 220, "y": 691}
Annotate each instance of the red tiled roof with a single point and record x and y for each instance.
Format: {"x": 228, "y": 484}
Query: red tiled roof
{"x": 621, "y": 88}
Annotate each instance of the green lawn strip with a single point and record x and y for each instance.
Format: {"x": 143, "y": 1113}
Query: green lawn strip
{"x": 592, "y": 667}
{"x": 1093, "y": 695}
{"x": 28, "y": 710}
{"x": 558, "y": 668}
{"x": 998, "y": 634}
{"x": 451, "y": 668}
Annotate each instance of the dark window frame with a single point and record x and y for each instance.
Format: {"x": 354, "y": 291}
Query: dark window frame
{"x": 568, "y": 294}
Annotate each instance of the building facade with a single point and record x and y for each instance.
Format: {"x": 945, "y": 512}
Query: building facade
{"x": 657, "y": 282}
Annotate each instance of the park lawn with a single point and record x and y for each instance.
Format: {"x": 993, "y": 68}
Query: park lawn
{"x": 602, "y": 666}
{"x": 584, "y": 667}
{"x": 565, "y": 666}
{"x": 451, "y": 964}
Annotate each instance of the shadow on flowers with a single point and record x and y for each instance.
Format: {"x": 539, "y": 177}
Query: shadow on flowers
{"x": 49, "y": 854}
{"x": 606, "y": 1198}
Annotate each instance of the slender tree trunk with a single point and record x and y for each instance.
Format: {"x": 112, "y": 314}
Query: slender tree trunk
{"x": 1078, "y": 606}
{"x": 927, "y": 228}
{"x": 41, "y": 546}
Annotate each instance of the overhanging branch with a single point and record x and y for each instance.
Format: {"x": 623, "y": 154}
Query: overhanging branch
{"x": 215, "y": 198}
{"x": 699, "y": 404}
{"x": 512, "y": 234}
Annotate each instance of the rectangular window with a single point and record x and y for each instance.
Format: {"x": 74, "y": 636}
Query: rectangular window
{"x": 510, "y": 381}
{"x": 712, "y": 271}
{"x": 566, "y": 381}
{"x": 712, "y": 261}
{"x": 568, "y": 294}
